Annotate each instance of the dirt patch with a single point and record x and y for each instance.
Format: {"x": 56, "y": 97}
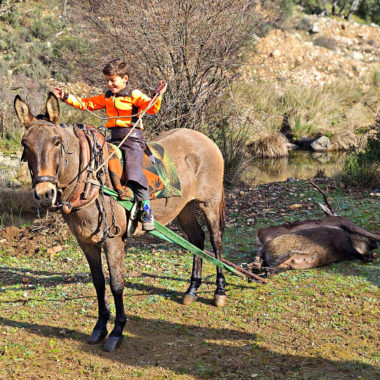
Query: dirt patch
{"x": 41, "y": 238}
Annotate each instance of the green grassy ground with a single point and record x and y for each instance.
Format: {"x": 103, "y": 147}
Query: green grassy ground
{"x": 314, "y": 324}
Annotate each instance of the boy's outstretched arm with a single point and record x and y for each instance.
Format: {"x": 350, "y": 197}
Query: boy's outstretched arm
{"x": 93, "y": 103}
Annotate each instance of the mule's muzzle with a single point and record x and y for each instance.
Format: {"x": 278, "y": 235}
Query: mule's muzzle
{"x": 45, "y": 193}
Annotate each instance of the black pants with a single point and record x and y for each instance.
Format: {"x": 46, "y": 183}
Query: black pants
{"x": 133, "y": 154}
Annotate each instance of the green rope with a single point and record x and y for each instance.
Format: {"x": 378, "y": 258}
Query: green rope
{"x": 164, "y": 233}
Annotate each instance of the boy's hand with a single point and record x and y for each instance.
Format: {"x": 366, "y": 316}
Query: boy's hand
{"x": 161, "y": 88}
{"x": 59, "y": 93}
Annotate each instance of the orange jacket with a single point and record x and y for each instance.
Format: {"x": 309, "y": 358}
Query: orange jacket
{"x": 125, "y": 103}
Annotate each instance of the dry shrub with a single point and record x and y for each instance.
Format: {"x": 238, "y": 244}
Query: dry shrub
{"x": 193, "y": 45}
{"x": 326, "y": 42}
{"x": 270, "y": 146}
{"x": 343, "y": 141}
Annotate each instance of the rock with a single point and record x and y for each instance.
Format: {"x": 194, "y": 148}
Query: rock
{"x": 375, "y": 192}
{"x": 295, "y": 206}
{"x": 82, "y": 276}
{"x": 320, "y": 144}
{"x": 357, "y": 56}
{"x": 315, "y": 29}
{"x": 275, "y": 53}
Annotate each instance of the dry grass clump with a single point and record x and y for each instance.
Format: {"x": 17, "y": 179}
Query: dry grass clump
{"x": 270, "y": 146}
{"x": 311, "y": 111}
{"x": 344, "y": 141}
{"x": 16, "y": 201}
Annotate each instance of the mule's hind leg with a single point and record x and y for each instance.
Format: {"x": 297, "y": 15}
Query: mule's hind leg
{"x": 114, "y": 249}
{"x": 93, "y": 255}
{"x": 196, "y": 236}
{"x": 214, "y": 215}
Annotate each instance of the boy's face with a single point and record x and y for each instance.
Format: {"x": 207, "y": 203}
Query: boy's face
{"x": 116, "y": 83}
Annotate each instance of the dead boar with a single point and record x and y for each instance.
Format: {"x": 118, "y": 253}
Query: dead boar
{"x": 313, "y": 243}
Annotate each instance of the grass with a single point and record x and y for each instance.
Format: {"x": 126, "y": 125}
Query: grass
{"x": 314, "y": 324}
{"x": 332, "y": 108}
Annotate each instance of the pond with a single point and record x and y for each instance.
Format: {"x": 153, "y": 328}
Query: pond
{"x": 299, "y": 164}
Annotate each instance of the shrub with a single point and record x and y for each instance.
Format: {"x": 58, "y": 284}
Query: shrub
{"x": 326, "y": 42}
{"x": 363, "y": 170}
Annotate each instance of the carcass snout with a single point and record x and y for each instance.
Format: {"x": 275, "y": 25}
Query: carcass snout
{"x": 45, "y": 194}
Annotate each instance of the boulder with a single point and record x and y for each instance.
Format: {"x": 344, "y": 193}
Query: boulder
{"x": 321, "y": 144}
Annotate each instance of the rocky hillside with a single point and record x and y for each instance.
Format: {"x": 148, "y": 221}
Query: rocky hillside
{"x": 317, "y": 50}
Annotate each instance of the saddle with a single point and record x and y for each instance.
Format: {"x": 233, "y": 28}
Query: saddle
{"x": 163, "y": 181}
{"x": 161, "y": 173}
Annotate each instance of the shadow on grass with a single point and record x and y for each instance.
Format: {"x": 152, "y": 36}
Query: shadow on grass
{"x": 204, "y": 280}
{"x": 201, "y": 352}
{"x": 28, "y": 277}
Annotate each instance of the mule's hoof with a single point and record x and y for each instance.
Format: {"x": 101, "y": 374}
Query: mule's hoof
{"x": 220, "y": 300}
{"x": 189, "y": 299}
{"x": 112, "y": 343}
{"x": 97, "y": 336}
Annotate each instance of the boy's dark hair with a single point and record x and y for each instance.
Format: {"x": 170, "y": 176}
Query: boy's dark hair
{"x": 116, "y": 67}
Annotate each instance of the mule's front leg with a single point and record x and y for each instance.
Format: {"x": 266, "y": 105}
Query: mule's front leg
{"x": 93, "y": 255}
{"x": 114, "y": 249}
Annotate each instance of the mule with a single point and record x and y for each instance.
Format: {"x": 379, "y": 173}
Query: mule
{"x": 52, "y": 152}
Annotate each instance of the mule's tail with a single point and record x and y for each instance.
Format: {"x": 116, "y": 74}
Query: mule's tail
{"x": 222, "y": 213}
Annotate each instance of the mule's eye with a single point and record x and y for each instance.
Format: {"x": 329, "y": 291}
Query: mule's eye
{"x": 58, "y": 142}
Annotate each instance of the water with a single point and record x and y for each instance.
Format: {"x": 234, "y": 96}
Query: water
{"x": 298, "y": 165}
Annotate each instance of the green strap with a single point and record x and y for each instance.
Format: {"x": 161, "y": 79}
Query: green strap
{"x": 164, "y": 233}
{"x": 126, "y": 204}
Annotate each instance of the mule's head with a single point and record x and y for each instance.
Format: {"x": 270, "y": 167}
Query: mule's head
{"x": 43, "y": 144}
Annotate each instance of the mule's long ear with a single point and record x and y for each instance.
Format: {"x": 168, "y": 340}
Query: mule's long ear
{"x": 52, "y": 108}
{"x": 23, "y": 112}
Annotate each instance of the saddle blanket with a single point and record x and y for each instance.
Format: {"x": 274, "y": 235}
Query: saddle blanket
{"x": 162, "y": 176}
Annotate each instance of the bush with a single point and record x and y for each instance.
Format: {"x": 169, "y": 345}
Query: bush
{"x": 369, "y": 10}
{"x": 326, "y": 42}
{"x": 363, "y": 170}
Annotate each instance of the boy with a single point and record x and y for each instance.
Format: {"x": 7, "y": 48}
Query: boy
{"x": 122, "y": 101}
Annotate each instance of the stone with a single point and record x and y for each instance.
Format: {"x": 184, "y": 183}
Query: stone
{"x": 357, "y": 56}
{"x": 320, "y": 144}
{"x": 275, "y": 53}
{"x": 315, "y": 29}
